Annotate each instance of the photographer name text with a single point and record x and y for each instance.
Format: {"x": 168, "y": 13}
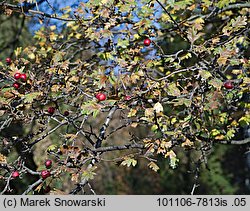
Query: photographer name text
{"x": 55, "y": 202}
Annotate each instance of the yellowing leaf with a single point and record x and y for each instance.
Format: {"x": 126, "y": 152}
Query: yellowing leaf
{"x": 136, "y": 36}
{"x": 78, "y": 36}
{"x": 75, "y": 177}
{"x": 222, "y": 60}
{"x": 205, "y": 74}
{"x": 193, "y": 34}
{"x": 217, "y": 83}
{"x": 173, "y": 90}
{"x": 18, "y": 51}
{"x": 134, "y": 125}
{"x": 219, "y": 137}
{"x": 128, "y": 161}
{"x": 52, "y": 148}
{"x": 132, "y": 112}
{"x": 149, "y": 112}
{"x": 70, "y": 136}
{"x": 53, "y": 27}
{"x": 166, "y": 144}
{"x": 53, "y": 36}
{"x": 31, "y": 56}
{"x": 89, "y": 174}
{"x": 39, "y": 187}
{"x": 187, "y": 143}
{"x": 105, "y": 1}
{"x": 153, "y": 166}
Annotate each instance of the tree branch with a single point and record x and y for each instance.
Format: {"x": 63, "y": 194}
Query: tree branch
{"x": 104, "y": 127}
{"x": 236, "y": 142}
{"x": 124, "y": 147}
{"x": 174, "y": 21}
{"x": 19, "y": 9}
{"x": 30, "y": 188}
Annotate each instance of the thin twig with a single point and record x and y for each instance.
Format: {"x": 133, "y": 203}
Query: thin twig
{"x": 30, "y": 188}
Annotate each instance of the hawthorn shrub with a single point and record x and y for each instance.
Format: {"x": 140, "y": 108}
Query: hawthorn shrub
{"x": 178, "y": 70}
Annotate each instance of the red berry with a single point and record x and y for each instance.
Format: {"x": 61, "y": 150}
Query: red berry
{"x": 51, "y": 110}
{"x": 48, "y": 164}
{"x": 15, "y": 174}
{"x": 97, "y": 95}
{"x": 8, "y": 60}
{"x": 147, "y": 42}
{"x": 23, "y": 77}
{"x": 66, "y": 113}
{"x": 228, "y": 85}
{"x": 17, "y": 76}
{"x": 101, "y": 96}
{"x": 16, "y": 85}
{"x": 127, "y": 97}
{"x": 45, "y": 174}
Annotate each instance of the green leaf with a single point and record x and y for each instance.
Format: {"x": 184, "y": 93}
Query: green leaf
{"x": 154, "y": 128}
{"x": 182, "y": 101}
{"x": 217, "y": 83}
{"x": 193, "y": 34}
{"x": 244, "y": 121}
{"x": 215, "y": 132}
{"x": 89, "y": 174}
{"x": 95, "y": 113}
{"x": 58, "y": 56}
{"x": 230, "y": 134}
{"x": 105, "y": 55}
{"x": 89, "y": 107}
{"x": 205, "y": 74}
{"x": 28, "y": 98}
{"x": 123, "y": 43}
{"x": 52, "y": 148}
{"x": 173, "y": 162}
{"x": 173, "y": 90}
{"x": 224, "y": 3}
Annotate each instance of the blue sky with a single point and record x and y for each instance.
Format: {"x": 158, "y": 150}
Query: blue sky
{"x": 57, "y": 5}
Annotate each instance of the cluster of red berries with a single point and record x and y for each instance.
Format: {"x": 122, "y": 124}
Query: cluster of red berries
{"x": 46, "y": 173}
{"x": 51, "y": 110}
{"x": 19, "y": 77}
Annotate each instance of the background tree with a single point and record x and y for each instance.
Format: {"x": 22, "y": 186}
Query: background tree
{"x": 127, "y": 83}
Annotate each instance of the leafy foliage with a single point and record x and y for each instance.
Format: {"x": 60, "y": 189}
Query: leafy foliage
{"x": 178, "y": 96}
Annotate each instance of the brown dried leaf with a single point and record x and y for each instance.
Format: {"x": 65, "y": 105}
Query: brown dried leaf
{"x": 3, "y": 159}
